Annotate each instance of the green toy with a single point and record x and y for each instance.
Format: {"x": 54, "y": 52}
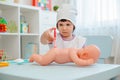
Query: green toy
{"x": 55, "y": 8}
{"x": 3, "y": 20}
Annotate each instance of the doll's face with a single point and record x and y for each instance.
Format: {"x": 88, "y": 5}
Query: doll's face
{"x": 89, "y": 52}
{"x": 83, "y": 54}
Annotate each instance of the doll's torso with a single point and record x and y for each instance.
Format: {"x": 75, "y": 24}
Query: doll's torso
{"x": 62, "y": 56}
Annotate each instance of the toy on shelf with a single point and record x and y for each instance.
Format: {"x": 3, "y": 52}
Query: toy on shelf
{"x": 12, "y": 27}
{"x": 2, "y": 55}
{"x": 3, "y": 24}
{"x": 43, "y": 4}
{"x": 34, "y": 2}
{"x": 2, "y": 59}
{"x": 24, "y": 27}
{"x": 55, "y": 8}
{"x": 3, "y": 28}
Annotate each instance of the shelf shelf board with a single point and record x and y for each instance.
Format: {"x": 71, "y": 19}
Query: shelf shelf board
{"x": 29, "y": 34}
{"x": 6, "y": 4}
{"x": 8, "y": 33}
{"x": 26, "y": 7}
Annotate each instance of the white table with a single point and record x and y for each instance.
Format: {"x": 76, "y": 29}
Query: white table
{"x": 69, "y": 71}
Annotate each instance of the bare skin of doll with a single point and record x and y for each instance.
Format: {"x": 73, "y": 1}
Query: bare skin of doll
{"x": 81, "y": 57}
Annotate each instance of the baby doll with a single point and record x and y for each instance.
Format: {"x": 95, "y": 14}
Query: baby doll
{"x": 81, "y": 57}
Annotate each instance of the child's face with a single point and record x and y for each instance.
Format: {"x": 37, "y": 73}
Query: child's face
{"x": 65, "y": 28}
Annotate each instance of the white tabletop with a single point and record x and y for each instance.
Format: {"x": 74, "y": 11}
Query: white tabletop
{"x": 69, "y": 71}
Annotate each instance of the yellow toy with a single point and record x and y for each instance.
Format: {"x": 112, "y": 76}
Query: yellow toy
{"x": 3, "y": 64}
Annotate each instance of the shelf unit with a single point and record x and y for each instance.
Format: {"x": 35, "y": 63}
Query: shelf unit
{"x": 14, "y": 43}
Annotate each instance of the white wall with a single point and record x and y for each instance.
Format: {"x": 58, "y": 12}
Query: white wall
{"x": 60, "y": 2}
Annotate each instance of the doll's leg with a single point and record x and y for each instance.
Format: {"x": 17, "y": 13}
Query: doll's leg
{"x": 44, "y": 59}
{"x": 49, "y": 57}
{"x": 77, "y": 60}
{"x": 35, "y": 57}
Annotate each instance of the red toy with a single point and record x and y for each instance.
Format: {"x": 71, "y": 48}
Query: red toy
{"x": 3, "y": 28}
{"x": 55, "y": 38}
{"x": 1, "y": 53}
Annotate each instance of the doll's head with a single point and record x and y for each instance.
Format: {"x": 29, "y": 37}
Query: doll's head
{"x": 88, "y": 52}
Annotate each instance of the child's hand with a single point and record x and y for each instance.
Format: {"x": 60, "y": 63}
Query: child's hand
{"x": 49, "y": 35}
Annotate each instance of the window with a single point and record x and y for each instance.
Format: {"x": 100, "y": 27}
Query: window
{"x": 93, "y": 12}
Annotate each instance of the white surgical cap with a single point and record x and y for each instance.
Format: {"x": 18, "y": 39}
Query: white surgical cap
{"x": 67, "y": 11}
